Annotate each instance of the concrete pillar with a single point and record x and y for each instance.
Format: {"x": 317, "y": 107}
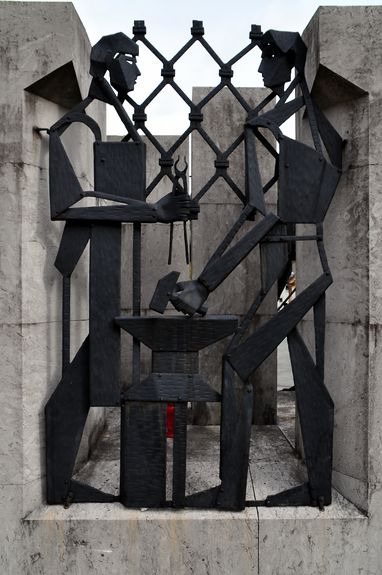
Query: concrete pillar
{"x": 223, "y": 120}
{"x": 347, "y": 86}
{"x": 44, "y": 56}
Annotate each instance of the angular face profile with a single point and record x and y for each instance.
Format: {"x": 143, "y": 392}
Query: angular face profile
{"x": 116, "y": 53}
{"x": 123, "y": 73}
{"x": 274, "y": 67}
{"x": 281, "y": 52}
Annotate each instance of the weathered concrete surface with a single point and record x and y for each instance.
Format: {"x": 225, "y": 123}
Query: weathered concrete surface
{"x": 104, "y": 537}
{"x": 36, "y": 39}
{"x": 219, "y": 209}
{"x": 344, "y": 69}
{"x": 87, "y": 540}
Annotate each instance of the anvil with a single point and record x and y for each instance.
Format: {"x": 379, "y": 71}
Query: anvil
{"x": 175, "y": 342}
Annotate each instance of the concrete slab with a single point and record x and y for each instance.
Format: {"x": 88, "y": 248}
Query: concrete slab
{"x": 101, "y": 538}
{"x": 304, "y": 540}
{"x": 350, "y": 95}
{"x": 203, "y": 541}
{"x": 35, "y": 39}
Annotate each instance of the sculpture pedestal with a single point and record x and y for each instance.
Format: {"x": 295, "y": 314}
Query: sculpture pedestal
{"x": 100, "y": 538}
{"x": 175, "y": 343}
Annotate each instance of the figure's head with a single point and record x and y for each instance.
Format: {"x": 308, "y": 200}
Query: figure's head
{"x": 123, "y": 73}
{"x": 116, "y": 53}
{"x": 281, "y": 51}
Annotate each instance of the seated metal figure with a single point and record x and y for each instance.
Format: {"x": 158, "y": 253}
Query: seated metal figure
{"x": 307, "y": 180}
{"x": 92, "y": 378}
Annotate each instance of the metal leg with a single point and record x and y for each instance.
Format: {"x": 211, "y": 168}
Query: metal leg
{"x": 143, "y": 454}
{"x": 179, "y": 455}
{"x": 237, "y": 406}
{"x": 65, "y": 415}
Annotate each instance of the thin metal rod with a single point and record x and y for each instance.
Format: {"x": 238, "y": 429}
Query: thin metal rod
{"x": 169, "y": 259}
{"x": 65, "y": 322}
{"x": 136, "y": 296}
{"x": 186, "y": 242}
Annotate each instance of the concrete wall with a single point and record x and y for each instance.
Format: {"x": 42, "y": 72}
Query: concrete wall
{"x": 223, "y": 120}
{"x": 36, "y": 39}
{"x": 347, "y": 85}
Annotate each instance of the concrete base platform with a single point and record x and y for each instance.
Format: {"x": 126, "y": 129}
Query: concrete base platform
{"x": 273, "y": 464}
{"x": 100, "y": 538}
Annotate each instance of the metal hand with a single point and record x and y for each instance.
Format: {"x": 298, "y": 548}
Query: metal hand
{"x": 180, "y": 188}
{"x": 189, "y": 297}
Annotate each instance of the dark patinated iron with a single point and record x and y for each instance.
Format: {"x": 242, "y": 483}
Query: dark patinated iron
{"x": 307, "y": 178}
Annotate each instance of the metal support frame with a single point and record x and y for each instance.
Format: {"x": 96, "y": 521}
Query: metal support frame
{"x": 307, "y": 182}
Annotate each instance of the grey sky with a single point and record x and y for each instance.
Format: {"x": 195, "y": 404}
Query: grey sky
{"x": 227, "y": 24}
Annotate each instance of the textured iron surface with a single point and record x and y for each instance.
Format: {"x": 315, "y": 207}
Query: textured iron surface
{"x": 104, "y": 337}
{"x": 172, "y": 387}
{"x": 143, "y": 454}
{"x": 65, "y": 417}
{"x": 165, "y": 286}
{"x": 235, "y": 440}
{"x": 217, "y": 271}
{"x": 274, "y": 258}
{"x": 315, "y": 408}
{"x": 179, "y": 455}
{"x": 73, "y": 243}
{"x": 64, "y": 186}
{"x": 250, "y": 354}
{"x": 175, "y": 362}
{"x": 173, "y": 333}
{"x": 307, "y": 183}
{"x": 120, "y": 169}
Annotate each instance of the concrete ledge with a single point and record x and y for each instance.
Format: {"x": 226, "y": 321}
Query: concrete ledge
{"x": 117, "y": 512}
{"x": 110, "y": 539}
{"x": 340, "y": 509}
{"x": 100, "y": 538}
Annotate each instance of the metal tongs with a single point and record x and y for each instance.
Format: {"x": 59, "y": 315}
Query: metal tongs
{"x": 179, "y": 187}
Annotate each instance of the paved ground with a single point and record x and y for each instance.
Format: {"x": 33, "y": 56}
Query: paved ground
{"x": 273, "y": 463}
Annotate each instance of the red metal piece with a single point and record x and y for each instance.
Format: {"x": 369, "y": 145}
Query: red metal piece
{"x": 170, "y": 420}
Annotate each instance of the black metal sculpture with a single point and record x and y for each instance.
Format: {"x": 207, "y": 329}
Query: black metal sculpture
{"x": 93, "y": 377}
{"x": 307, "y": 181}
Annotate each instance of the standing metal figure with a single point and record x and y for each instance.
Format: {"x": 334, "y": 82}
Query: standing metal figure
{"x": 307, "y": 180}
{"x": 92, "y": 378}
